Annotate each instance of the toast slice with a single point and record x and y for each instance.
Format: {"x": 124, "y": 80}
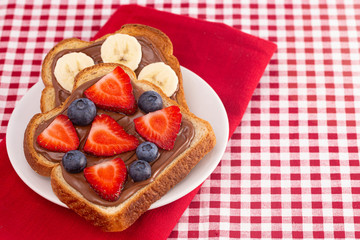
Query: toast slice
{"x": 119, "y": 216}
{"x": 155, "y": 44}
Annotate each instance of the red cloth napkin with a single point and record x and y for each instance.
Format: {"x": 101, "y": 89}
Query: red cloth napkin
{"x": 231, "y": 61}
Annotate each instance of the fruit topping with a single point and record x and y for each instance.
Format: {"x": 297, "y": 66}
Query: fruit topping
{"x": 150, "y": 101}
{"x": 140, "y": 170}
{"x": 107, "y": 178}
{"x": 123, "y": 49}
{"x": 162, "y": 75}
{"x": 82, "y": 111}
{"x": 147, "y": 151}
{"x": 68, "y": 66}
{"x": 59, "y": 136}
{"x": 108, "y": 138}
{"x": 113, "y": 92}
{"x": 74, "y": 161}
{"x": 160, "y": 127}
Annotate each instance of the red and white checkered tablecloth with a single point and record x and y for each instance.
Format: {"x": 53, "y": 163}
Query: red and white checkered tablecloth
{"x": 292, "y": 169}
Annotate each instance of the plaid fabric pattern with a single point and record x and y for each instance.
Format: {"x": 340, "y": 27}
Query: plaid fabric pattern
{"x": 291, "y": 169}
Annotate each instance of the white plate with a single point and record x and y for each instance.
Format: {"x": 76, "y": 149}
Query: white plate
{"x": 202, "y": 101}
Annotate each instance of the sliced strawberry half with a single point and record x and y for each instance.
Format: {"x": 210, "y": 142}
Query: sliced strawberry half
{"x": 107, "y": 178}
{"x": 113, "y": 92}
{"x": 108, "y": 138}
{"x": 160, "y": 127}
{"x": 59, "y": 136}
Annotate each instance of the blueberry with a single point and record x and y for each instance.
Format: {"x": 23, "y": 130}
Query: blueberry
{"x": 147, "y": 151}
{"x": 140, "y": 170}
{"x": 150, "y": 101}
{"x": 81, "y": 111}
{"x": 74, "y": 161}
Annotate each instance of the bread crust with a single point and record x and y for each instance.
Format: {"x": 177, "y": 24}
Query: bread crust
{"x": 157, "y": 38}
{"x": 118, "y": 218}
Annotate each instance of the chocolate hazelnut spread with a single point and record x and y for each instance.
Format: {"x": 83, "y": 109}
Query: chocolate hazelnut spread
{"x": 78, "y": 181}
{"x": 149, "y": 55}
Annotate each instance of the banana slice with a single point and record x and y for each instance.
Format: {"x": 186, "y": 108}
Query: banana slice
{"x": 68, "y": 66}
{"x": 123, "y": 49}
{"x": 161, "y": 75}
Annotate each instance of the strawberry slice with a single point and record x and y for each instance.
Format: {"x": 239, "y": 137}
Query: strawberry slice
{"x": 107, "y": 178}
{"x": 113, "y": 92}
{"x": 160, "y": 127}
{"x": 108, "y": 138}
{"x": 59, "y": 136}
